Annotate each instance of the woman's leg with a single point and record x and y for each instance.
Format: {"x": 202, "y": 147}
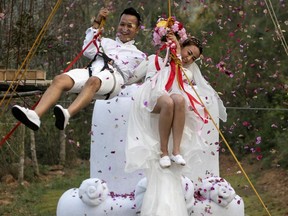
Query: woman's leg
{"x": 165, "y": 108}
{"x": 178, "y": 122}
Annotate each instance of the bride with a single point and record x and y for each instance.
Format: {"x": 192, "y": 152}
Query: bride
{"x": 166, "y": 118}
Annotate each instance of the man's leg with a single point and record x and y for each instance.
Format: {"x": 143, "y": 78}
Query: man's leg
{"x": 86, "y": 95}
{"x": 59, "y": 84}
{"x": 31, "y": 118}
{"x": 104, "y": 83}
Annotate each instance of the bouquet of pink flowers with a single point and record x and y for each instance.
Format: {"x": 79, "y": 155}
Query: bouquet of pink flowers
{"x": 163, "y": 26}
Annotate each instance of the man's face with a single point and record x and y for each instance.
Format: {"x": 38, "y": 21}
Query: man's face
{"x": 127, "y": 28}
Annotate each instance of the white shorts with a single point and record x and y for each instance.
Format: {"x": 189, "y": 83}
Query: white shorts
{"x": 111, "y": 82}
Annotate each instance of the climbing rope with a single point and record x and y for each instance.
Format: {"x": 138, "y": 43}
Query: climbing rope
{"x": 228, "y": 146}
{"x": 27, "y": 61}
{"x": 83, "y": 50}
{"x": 25, "y": 64}
{"x": 28, "y": 58}
{"x": 213, "y": 121}
{"x": 279, "y": 31}
{"x": 219, "y": 131}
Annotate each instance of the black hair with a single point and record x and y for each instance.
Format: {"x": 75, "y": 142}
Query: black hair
{"x": 193, "y": 41}
{"x": 133, "y": 12}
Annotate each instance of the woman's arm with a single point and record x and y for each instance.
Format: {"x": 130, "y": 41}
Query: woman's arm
{"x": 171, "y": 36}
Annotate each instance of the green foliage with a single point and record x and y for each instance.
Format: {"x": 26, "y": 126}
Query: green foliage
{"x": 282, "y": 150}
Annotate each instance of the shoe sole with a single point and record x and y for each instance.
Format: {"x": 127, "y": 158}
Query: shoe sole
{"x": 165, "y": 166}
{"x": 20, "y": 116}
{"x": 178, "y": 163}
{"x": 60, "y": 118}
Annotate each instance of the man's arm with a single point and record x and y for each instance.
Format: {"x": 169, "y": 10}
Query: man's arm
{"x": 102, "y": 15}
{"x": 91, "y": 51}
{"x": 139, "y": 72}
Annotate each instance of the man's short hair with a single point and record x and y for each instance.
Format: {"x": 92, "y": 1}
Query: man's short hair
{"x": 133, "y": 12}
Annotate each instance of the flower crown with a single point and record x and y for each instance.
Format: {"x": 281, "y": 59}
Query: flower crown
{"x": 165, "y": 25}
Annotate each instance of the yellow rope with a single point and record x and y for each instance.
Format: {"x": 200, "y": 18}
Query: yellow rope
{"x": 169, "y": 8}
{"x": 278, "y": 29}
{"x": 178, "y": 62}
{"x": 222, "y": 136}
{"x": 102, "y": 24}
{"x": 228, "y": 146}
{"x": 29, "y": 56}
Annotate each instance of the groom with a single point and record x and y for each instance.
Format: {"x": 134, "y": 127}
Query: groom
{"x": 113, "y": 64}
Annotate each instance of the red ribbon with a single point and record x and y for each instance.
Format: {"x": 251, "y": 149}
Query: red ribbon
{"x": 177, "y": 72}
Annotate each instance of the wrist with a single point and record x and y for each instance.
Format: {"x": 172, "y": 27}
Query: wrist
{"x": 97, "y": 21}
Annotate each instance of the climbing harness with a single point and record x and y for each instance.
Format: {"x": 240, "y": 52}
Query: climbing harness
{"x": 108, "y": 63}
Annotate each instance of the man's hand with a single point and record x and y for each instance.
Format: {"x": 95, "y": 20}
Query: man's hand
{"x": 103, "y": 13}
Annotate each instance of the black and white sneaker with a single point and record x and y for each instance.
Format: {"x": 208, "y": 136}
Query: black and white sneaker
{"x": 26, "y": 116}
{"x": 62, "y": 117}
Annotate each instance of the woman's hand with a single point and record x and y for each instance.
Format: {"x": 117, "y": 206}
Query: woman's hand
{"x": 171, "y": 36}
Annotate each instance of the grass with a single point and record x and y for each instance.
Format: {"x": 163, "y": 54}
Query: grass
{"x": 270, "y": 185}
{"x": 40, "y": 198}
{"x": 253, "y": 206}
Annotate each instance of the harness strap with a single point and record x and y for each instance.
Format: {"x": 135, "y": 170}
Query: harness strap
{"x": 82, "y": 51}
{"x": 107, "y": 60}
{"x": 113, "y": 88}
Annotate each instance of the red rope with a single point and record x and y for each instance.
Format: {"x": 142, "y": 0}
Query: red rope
{"x": 82, "y": 51}
{"x": 14, "y": 128}
{"x": 7, "y": 136}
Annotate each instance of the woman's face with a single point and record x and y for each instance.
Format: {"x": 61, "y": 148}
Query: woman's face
{"x": 189, "y": 54}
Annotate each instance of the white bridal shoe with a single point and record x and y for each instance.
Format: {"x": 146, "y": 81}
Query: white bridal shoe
{"x": 165, "y": 162}
{"x": 178, "y": 159}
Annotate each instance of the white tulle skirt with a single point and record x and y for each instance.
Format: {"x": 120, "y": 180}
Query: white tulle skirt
{"x": 143, "y": 144}
{"x": 164, "y": 195}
